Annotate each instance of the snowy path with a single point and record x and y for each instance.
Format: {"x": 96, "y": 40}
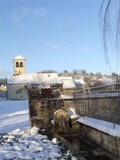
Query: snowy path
{"x": 13, "y": 116}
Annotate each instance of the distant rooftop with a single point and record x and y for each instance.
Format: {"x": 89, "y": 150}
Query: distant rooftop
{"x": 68, "y": 82}
{"x": 19, "y": 57}
{"x": 79, "y": 81}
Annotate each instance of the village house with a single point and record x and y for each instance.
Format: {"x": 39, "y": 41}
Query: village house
{"x": 68, "y": 84}
{"x": 80, "y": 83}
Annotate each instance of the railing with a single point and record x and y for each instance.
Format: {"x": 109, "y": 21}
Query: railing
{"x": 99, "y": 102}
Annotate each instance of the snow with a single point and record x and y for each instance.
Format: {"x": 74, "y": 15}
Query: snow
{"x": 34, "y": 78}
{"x": 72, "y": 113}
{"x": 28, "y": 145}
{"x": 79, "y": 82}
{"x": 22, "y": 143}
{"x": 106, "y": 80}
{"x": 19, "y": 57}
{"x": 13, "y": 114}
{"x": 68, "y": 82}
{"x": 54, "y": 140}
{"x": 101, "y": 125}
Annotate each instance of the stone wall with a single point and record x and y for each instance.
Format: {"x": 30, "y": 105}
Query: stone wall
{"x": 64, "y": 124}
{"x": 107, "y": 109}
{"x": 106, "y": 141}
{"x": 42, "y": 106}
{"x": 49, "y": 111}
{"x": 42, "y": 112}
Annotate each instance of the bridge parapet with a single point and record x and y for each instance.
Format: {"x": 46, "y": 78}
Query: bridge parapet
{"x": 101, "y": 102}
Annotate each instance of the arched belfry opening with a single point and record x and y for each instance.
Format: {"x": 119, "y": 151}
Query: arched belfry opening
{"x": 19, "y": 65}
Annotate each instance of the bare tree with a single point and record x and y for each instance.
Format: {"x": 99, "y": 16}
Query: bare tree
{"x": 110, "y": 23}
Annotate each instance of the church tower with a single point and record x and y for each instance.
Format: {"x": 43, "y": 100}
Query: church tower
{"x": 19, "y": 65}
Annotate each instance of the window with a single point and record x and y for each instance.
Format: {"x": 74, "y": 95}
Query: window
{"x": 21, "y": 64}
{"x": 17, "y": 64}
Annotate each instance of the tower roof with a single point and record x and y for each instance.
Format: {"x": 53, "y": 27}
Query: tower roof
{"x": 19, "y": 57}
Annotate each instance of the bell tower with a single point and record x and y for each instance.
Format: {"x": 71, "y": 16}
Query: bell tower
{"x": 19, "y": 65}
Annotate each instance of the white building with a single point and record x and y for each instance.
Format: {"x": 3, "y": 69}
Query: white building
{"x": 80, "y": 83}
{"x": 68, "y": 82}
{"x": 17, "y": 85}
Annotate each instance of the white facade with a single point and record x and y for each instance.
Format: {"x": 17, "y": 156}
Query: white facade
{"x": 16, "y": 85}
{"x": 79, "y": 83}
{"x": 17, "y": 91}
{"x": 68, "y": 82}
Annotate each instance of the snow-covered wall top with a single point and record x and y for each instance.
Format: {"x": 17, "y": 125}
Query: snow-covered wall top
{"x": 101, "y": 125}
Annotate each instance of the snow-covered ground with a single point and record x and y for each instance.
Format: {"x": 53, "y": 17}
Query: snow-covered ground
{"x": 13, "y": 115}
{"x": 22, "y": 143}
{"x": 29, "y": 145}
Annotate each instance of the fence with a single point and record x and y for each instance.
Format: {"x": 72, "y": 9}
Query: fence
{"x": 99, "y": 102}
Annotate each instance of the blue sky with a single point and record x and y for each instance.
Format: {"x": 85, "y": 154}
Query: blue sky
{"x": 53, "y": 34}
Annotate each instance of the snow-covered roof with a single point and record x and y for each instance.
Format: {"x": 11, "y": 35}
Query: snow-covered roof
{"x": 19, "y": 57}
{"x": 79, "y": 82}
{"x": 105, "y": 80}
{"x": 68, "y": 82}
{"x": 104, "y": 126}
{"x": 34, "y": 78}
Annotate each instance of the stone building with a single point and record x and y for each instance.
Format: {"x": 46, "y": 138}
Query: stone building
{"x": 19, "y": 65}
